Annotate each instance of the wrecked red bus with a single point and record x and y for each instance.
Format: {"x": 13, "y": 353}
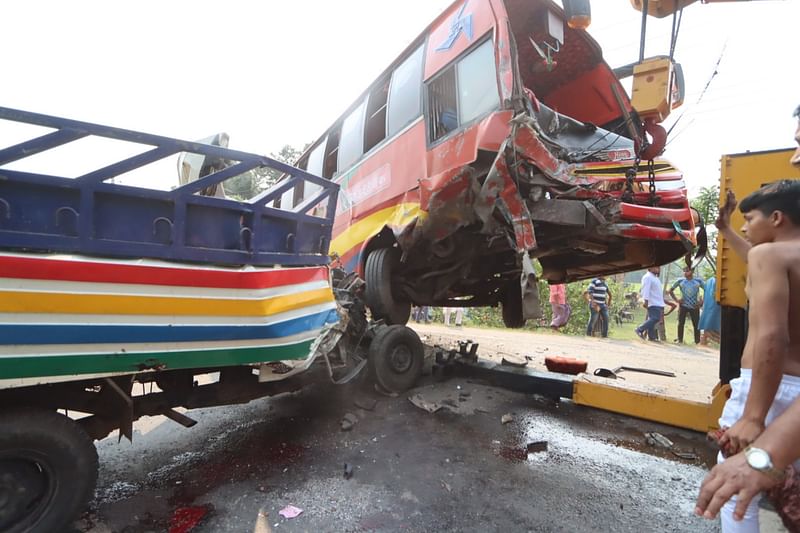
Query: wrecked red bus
{"x": 498, "y": 138}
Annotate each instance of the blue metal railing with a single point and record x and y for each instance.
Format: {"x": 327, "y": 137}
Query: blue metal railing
{"x": 89, "y": 215}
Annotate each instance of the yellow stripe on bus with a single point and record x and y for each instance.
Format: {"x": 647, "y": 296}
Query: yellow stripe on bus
{"x": 44, "y": 302}
{"x": 362, "y": 230}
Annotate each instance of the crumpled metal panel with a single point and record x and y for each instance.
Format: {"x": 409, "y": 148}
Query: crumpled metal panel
{"x": 500, "y": 190}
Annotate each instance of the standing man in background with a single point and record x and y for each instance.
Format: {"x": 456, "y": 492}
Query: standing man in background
{"x": 559, "y": 305}
{"x": 653, "y": 296}
{"x": 689, "y": 302}
{"x": 599, "y": 298}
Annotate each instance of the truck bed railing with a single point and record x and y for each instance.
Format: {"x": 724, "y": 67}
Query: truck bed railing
{"x": 89, "y": 215}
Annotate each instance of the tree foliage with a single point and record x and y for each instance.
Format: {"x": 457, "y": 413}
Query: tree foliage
{"x": 256, "y": 181}
{"x": 707, "y": 204}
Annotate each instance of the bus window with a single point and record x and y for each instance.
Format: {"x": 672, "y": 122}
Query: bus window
{"x": 332, "y": 152}
{"x": 477, "y": 83}
{"x": 314, "y": 167}
{"x": 351, "y": 142}
{"x": 315, "y": 160}
{"x": 375, "y": 130}
{"x": 405, "y": 93}
{"x": 442, "y": 104}
{"x": 463, "y": 92}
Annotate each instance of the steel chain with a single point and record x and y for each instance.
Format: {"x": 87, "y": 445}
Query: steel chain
{"x": 651, "y": 176}
{"x": 630, "y": 179}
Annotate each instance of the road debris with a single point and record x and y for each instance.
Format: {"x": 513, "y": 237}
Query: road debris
{"x": 349, "y": 421}
{"x": 506, "y": 418}
{"x": 423, "y": 404}
{"x": 446, "y": 486}
{"x": 565, "y": 365}
{"x": 290, "y": 511}
{"x": 348, "y": 470}
{"x": 367, "y": 404}
{"x": 688, "y": 456}
{"x": 514, "y": 361}
{"x": 658, "y": 440}
{"x": 262, "y": 522}
{"x": 614, "y": 374}
{"x": 537, "y": 447}
{"x": 185, "y": 519}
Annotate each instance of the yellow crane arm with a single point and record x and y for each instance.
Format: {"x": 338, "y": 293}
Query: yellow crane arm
{"x": 663, "y": 8}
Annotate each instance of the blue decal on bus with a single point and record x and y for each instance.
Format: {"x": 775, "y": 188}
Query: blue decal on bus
{"x": 460, "y": 23}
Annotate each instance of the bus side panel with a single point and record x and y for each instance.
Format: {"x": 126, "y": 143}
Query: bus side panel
{"x": 460, "y": 150}
{"x": 503, "y": 57}
{"x": 464, "y": 23}
{"x": 379, "y": 193}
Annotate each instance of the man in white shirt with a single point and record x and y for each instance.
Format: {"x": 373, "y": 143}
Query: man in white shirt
{"x": 653, "y": 295}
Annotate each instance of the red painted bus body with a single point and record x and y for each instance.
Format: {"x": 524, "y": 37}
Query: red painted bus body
{"x": 475, "y": 153}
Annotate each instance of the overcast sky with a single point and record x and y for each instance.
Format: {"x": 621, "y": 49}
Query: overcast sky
{"x": 272, "y": 73}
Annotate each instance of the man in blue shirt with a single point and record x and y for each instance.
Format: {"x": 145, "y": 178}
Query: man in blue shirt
{"x": 653, "y": 296}
{"x": 599, "y": 298}
{"x": 690, "y": 302}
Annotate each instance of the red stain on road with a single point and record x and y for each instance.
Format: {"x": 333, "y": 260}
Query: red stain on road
{"x": 185, "y": 519}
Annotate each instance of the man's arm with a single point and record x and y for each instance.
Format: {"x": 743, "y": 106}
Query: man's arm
{"x": 723, "y": 224}
{"x": 768, "y": 338}
{"x": 645, "y": 290}
{"x": 672, "y": 290}
{"x": 608, "y": 296}
{"x": 735, "y": 477}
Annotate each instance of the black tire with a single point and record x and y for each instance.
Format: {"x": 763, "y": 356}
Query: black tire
{"x": 396, "y": 356}
{"x": 512, "y": 307}
{"x": 380, "y": 266}
{"x": 51, "y": 465}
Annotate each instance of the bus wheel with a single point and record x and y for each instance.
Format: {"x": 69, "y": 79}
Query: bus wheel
{"x": 381, "y": 263}
{"x": 48, "y": 470}
{"x": 396, "y": 356}
{"x": 512, "y": 307}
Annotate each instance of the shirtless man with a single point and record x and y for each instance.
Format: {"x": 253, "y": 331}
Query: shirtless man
{"x": 781, "y": 440}
{"x": 770, "y": 378}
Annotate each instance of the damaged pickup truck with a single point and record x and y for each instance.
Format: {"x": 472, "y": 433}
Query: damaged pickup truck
{"x": 501, "y": 137}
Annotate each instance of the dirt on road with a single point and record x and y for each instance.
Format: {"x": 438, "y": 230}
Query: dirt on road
{"x": 696, "y": 368}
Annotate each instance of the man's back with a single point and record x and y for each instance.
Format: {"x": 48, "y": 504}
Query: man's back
{"x": 652, "y": 290}
{"x": 773, "y": 286}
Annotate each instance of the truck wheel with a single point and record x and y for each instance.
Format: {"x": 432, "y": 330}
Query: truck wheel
{"x": 381, "y": 264}
{"x": 48, "y": 470}
{"x": 512, "y": 307}
{"x": 396, "y": 356}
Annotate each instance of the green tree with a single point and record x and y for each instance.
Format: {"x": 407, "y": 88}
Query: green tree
{"x": 707, "y": 204}
{"x": 256, "y": 181}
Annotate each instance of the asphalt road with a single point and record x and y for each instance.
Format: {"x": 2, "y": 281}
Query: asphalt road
{"x": 458, "y": 469}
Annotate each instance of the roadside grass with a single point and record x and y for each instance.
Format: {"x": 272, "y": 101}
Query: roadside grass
{"x": 625, "y": 331}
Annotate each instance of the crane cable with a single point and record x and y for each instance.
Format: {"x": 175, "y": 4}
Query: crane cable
{"x": 702, "y": 93}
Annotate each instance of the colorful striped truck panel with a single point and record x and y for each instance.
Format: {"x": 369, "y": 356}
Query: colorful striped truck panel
{"x": 67, "y": 317}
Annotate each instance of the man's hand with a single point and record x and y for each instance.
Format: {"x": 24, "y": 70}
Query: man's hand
{"x": 724, "y": 218}
{"x": 596, "y": 306}
{"x": 741, "y": 435}
{"x": 733, "y": 477}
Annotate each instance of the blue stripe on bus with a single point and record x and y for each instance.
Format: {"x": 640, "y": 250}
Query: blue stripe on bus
{"x": 20, "y": 334}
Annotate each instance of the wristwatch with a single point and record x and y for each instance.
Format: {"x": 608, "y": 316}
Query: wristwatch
{"x": 760, "y": 460}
